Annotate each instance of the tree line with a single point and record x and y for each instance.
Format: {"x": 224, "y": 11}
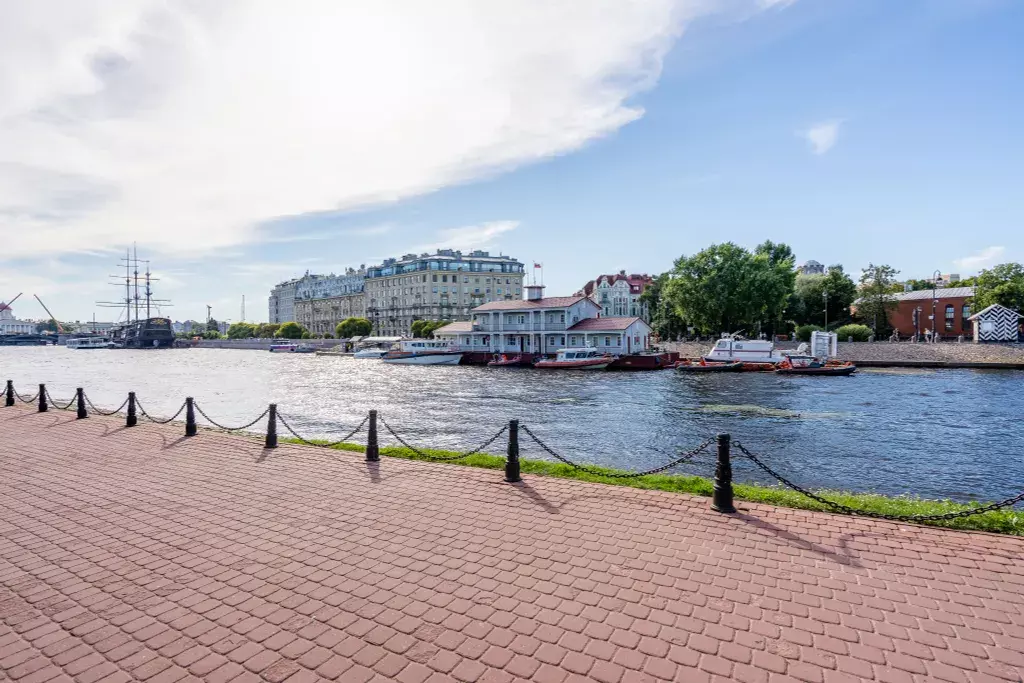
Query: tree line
{"x": 727, "y": 288}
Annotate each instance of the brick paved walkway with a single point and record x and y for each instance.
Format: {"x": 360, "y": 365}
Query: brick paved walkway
{"x": 138, "y": 554}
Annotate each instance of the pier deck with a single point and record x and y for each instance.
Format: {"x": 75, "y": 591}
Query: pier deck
{"x": 140, "y": 554}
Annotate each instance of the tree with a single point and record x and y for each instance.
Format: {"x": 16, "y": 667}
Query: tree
{"x": 353, "y": 327}
{"x": 47, "y": 326}
{"x": 664, "y": 320}
{"x": 291, "y": 330}
{"x": 807, "y": 304}
{"x": 726, "y": 288}
{"x": 876, "y": 298}
{"x": 241, "y": 331}
{"x": 434, "y": 326}
{"x": 267, "y": 330}
{"x": 416, "y": 329}
{"x": 1003, "y": 285}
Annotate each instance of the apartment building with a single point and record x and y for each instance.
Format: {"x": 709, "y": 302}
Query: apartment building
{"x": 445, "y": 285}
{"x": 285, "y": 295}
{"x": 321, "y": 316}
{"x": 618, "y": 295}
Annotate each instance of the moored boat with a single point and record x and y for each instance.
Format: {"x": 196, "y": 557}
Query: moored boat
{"x": 704, "y": 366}
{"x": 422, "y": 352}
{"x": 808, "y": 365}
{"x": 372, "y": 352}
{"x": 284, "y": 347}
{"x": 91, "y": 342}
{"x": 505, "y": 361}
{"x": 576, "y": 359}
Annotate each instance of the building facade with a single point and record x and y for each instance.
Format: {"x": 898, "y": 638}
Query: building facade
{"x": 446, "y": 285}
{"x": 321, "y": 316}
{"x": 542, "y": 325}
{"x": 619, "y": 295}
{"x": 913, "y": 311}
{"x": 11, "y": 325}
{"x": 997, "y": 323}
{"x": 281, "y": 303}
{"x": 811, "y": 268}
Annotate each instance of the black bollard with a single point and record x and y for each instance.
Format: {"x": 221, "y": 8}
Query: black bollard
{"x": 190, "y": 417}
{"x": 512, "y": 464}
{"x": 372, "y": 448}
{"x": 133, "y": 418}
{"x": 722, "y": 497}
{"x": 9, "y": 400}
{"x": 42, "y": 398}
{"x": 271, "y": 427}
{"x": 80, "y": 397}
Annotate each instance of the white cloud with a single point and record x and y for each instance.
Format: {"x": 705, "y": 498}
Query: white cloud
{"x": 984, "y": 258}
{"x": 184, "y": 125}
{"x": 822, "y": 136}
{"x": 467, "y": 237}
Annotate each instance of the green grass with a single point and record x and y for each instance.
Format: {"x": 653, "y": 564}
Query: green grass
{"x": 1006, "y": 521}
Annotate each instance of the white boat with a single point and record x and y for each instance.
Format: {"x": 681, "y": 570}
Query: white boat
{"x": 370, "y": 352}
{"x": 585, "y": 358}
{"x": 283, "y": 348}
{"x": 423, "y": 352}
{"x": 730, "y": 349}
{"x": 88, "y": 343}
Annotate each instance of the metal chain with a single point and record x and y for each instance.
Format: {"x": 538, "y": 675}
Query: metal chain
{"x": 101, "y": 412}
{"x": 230, "y": 429}
{"x": 142, "y": 411}
{"x": 839, "y": 507}
{"x": 26, "y": 400}
{"x": 56, "y": 405}
{"x": 686, "y": 457}
{"x": 323, "y": 445}
{"x": 443, "y": 458}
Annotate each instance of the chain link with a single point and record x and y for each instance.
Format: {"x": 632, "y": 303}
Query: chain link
{"x": 686, "y": 457}
{"x": 323, "y": 445}
{"x": 26, "y": 400}
{"x": 143, "y": 413}
{"x": 839, "y": 507}
{"x": 443, "y": 458}
{"x": 229, "y": 429}
{"x": 102, "y": 412}
{"x": 56, "y": 405}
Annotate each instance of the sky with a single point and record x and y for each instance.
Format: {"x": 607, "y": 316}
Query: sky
{"x": 245, "y": 142}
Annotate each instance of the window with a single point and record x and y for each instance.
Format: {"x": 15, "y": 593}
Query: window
{"x": 522, "y": 319}
{"x": 572, "y": 340}
{"x": 561, "y": 341}
{"x": 561, "y": 318}
{"x": 607, "y": 341}
{"x": 444, "y": 278}
{"x": 966, "y": 312}
{"x": 435, "y": 277}
{"x": 950, "y": 317}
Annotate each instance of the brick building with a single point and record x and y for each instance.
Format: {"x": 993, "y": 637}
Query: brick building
{"x": 952, "y": 312}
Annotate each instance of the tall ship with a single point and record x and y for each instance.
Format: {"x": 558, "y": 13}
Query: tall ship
{"x": 139, "y": 328}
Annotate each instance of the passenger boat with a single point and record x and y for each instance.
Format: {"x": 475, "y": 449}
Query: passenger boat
{"x": 504, "y": 360}
{"x": 576, "y": 359}
{"x": 704, "y": 366}
{"x": 807, "y": 365}
{"x": 370, "y": 352}
{"x": 284, "y": 347}
{"x": 422, "y": 352}
{"x": 93, "y": 342}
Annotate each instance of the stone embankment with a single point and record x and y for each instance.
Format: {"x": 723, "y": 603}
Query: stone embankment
{"x": 901, "y": 352}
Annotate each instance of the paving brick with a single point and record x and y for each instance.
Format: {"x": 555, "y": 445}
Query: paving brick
{"x": 270, "y": 569}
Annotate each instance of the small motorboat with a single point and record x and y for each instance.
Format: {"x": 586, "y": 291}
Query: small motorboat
{"x": 759, "y": 367}
{"x": 506, "y": 361}
{"x": 576, "y": 359}
{"x": 807, "y": 365}
{"x": 283, "y": 348}
{"x": 703, "y": 366}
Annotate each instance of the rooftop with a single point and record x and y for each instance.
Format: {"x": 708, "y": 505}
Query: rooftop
{"x": 137, "y": 554}
{"x": 455, "y": 328}
{"x": 523, "y": 304}
{"x": 606, "y": 324}
{"x": 940, "y": 293}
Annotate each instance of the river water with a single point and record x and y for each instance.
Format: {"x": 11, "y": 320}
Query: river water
{"x": 941, "y": 433}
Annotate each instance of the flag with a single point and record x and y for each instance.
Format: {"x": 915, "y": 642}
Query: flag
{"x": 537, "y": 265}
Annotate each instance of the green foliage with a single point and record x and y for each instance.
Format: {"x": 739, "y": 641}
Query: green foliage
{"x": 803, "y": 332}
{"x": 726, "y": 288}
{"x": 859, "y": 333}
{"x": 241, "y": 331}
{"x": 327, "y": 335}
{"x": 424, "y": 329}
{"x": 664, "y": 320}
{"x": 807, "y": 304}
{"x": 291, "y": 330}
{"x": 211, "y": 334}
{"x": 48, "y": 326}
{"x": 876, "y": 283}
{"x": 916, "y": 285}
{"x": 353, "y": 327}
{"x": 416, "y": 329}
{"x": 1003, "y": 285}
{"x": 305, "y": 335}
{"x": 1006, "y": 521}
{"x": 267, "y": 330}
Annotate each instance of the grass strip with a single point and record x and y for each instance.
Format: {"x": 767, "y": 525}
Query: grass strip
{"x": 1006, "y": 521}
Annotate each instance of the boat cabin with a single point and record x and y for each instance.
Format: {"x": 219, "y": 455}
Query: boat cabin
{"x": 578, "y": 354}
{"x": 750, "y": 350}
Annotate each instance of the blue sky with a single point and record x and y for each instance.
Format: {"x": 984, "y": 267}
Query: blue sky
{"x": 855, "y": 130}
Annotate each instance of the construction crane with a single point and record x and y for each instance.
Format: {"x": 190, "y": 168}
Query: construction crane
{"x": 60, "y": 329}
{"x": 8, "y": 304}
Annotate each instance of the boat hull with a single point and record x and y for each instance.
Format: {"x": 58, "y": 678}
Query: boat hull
{"x": 595, "y": 364}
{"x": 424, "y": 359}
{"x": 375, "y": 354}
{"x": 833, "y": 371}
{"x": 710, "y": 367}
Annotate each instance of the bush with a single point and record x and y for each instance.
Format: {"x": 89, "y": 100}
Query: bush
{"x": 803, "y": 332}
{"x": 859, "y": 333}
{"x": 306, "y": 335}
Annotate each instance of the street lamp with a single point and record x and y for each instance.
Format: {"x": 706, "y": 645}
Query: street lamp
{"x": 935, "y": 283}
{"x": 824, "y": 298}
{"x": 917, "y": 323}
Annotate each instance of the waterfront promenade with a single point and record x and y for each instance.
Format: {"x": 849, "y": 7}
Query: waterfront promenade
{"x": 140, "y": 554}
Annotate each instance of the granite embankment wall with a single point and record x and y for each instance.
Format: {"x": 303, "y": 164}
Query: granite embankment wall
{"x": 261, "y": 344}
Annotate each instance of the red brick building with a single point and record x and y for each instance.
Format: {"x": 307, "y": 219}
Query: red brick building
{"x": 952, "y": 312}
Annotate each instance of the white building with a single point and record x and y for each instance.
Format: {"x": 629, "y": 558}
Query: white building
{"x": 281, "y": 303}
{"x": 11, "y": 325}
{"x": 311, "y": 287}
{"x": 542, "y": 325}
{"x": 92, "y": 327}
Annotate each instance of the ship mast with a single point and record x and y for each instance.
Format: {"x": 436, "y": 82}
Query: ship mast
{"x": 132, "y": 302}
